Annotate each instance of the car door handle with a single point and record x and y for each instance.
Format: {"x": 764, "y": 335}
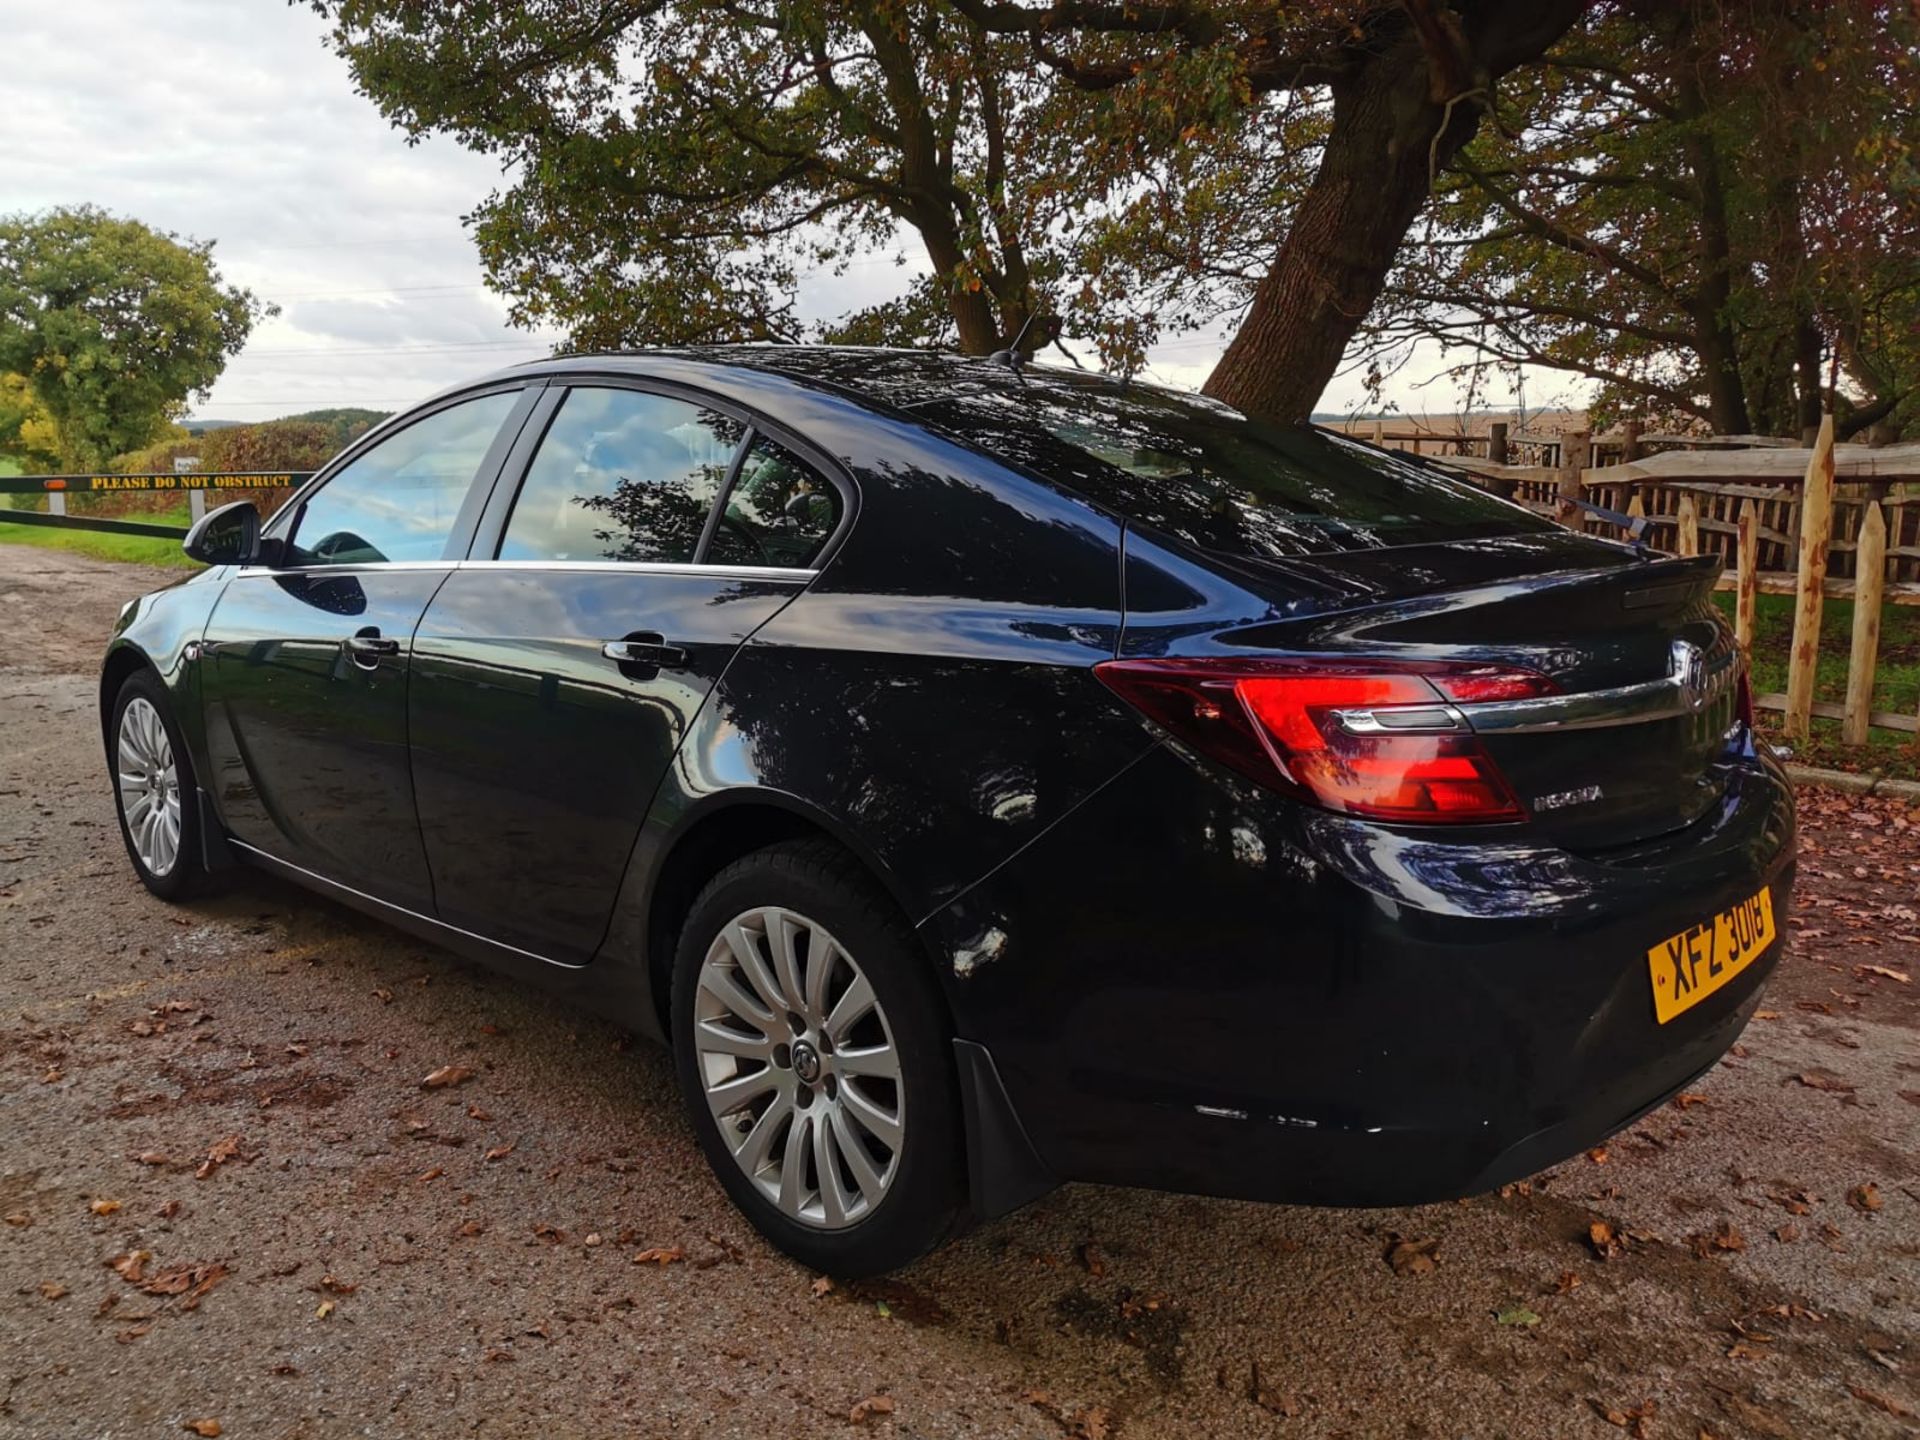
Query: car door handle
{"x": 368, "y": 646}
{"x": 643, "y": 650}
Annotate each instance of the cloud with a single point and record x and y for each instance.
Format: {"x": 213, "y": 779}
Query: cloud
{"x": 230, "y": 120}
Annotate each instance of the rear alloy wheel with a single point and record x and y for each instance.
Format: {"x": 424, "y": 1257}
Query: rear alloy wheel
{"x": 153, "y": 790}
{"x": 815, "y": 1063}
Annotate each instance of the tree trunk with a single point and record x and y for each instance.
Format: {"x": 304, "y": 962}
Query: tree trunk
{"x": 1401, "y": 111}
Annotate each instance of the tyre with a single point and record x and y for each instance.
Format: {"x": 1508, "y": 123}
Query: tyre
{"x": 153, "y": 790}
{"x": 814, "y": 1056}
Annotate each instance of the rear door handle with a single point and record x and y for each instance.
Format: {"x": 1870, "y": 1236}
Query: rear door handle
{"x": 368, "y": 646}
{"x": 644, "y": 650}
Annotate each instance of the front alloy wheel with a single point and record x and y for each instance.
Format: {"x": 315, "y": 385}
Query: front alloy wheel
{"x": 799, "y": 1069}
{"x": 149, "y": 785}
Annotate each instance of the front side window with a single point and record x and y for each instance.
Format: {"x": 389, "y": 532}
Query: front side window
{"x": 622, "y": 475}
{"x": 399, "y": 500}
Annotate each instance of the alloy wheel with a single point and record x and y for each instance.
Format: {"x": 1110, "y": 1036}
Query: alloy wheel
{"x": 798, "y": 1066}
{"x": 149, "y": 786}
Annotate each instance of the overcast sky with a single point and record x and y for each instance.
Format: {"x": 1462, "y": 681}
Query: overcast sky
{"x": 230, "y": 120}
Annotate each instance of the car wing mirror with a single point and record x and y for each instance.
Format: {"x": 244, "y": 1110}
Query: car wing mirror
{"x": 227, "y": 536}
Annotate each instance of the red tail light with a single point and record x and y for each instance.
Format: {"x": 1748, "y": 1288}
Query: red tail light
{"x": 1374, "y": 738}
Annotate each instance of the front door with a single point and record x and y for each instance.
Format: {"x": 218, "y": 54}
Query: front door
{"x": 554, "y": 676}
{"x": 305, "y": 668}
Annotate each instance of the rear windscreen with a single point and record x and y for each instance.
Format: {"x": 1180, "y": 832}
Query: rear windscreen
{"x": 1210, "y": 476}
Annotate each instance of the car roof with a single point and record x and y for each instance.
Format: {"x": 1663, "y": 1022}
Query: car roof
{"x": 889, "y": 379}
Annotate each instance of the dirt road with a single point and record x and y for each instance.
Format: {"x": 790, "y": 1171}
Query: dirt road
{"x": 228, "y": 1199}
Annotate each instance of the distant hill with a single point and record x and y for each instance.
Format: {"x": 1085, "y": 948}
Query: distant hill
{"x": 345, "y": 421}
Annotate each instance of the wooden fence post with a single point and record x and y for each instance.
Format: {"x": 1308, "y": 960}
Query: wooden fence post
{"x": 1573, "y": 460}
{"x": 1816, "y": 528}
{"x": 1688, "y": 516}
{"x": 1630, "y": 442}
{"x": 1870, "y": 575}
{"x": 1746, "y": 575}
{"x": 1380, "y": 432}
{"x": 1497, "y": 443}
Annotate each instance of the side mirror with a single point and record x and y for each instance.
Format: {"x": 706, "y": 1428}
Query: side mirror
{"x": 227, "y": 536}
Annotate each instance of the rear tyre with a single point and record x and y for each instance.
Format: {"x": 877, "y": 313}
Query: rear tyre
{"x": 153, "y": 789}
{"x": 815, "y": 1061}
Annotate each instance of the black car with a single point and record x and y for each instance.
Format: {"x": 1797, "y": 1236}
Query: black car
{"x": 989, "y": 776}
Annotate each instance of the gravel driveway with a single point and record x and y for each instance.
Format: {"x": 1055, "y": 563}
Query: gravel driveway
{"x": 230, "y": 1204}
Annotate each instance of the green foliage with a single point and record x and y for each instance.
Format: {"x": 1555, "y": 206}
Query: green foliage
{"x": 112, "y": 325}
{"x": 28, "y": 438}
{"x": 297, "y": 442}
{"x": 1701, "y": 206}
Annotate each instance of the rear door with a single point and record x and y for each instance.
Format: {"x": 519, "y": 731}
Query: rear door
{"x": 304, "y": 675}
{"x": 649, "y": 533}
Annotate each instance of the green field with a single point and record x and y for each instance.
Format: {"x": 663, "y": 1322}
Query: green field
{"x": 1896, "y": 682}
{"x": 135, "y": 549}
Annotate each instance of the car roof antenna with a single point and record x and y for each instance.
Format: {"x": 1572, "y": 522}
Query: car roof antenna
{"x": 1013, "y": 357}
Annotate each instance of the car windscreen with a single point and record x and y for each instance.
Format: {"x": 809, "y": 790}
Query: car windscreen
{"x": 1208, "y": 475}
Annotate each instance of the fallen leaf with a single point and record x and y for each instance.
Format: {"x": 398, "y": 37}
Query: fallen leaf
{"x": 209, "y": 1428}
{"x": 434, "y": 1174}
{"x": 1567, "y": 1282}
{"x": 471, "y": 1227}
{"x": 822, "y": 1286}
{"x": 1688, "y": 1100}
{"x": 1865, "y": 1197}
{"x": 1637, "y": 1422}
{"x": 1883, "y": 972}
{"x": 1605, "y": 1243}
{"x": 219, "y": 1153}
{"x": 104, "y": 1207}
{"x": 52, "y": 1289}
{"x": 1787, "y": 1234}
{"x": 1275, "y": 1402}
{"x": 1598, "y": 1155}
{"x": 52, "y": 1076}
{"x": 131, "y": 1266}
{"x": 1723, "y": 1239}
{"x": 383, "y": 995}
{"x": 1412, "y": 1257}
{"x": 446, "y": 1075}
{"x": 1824, "y": 1080}
{"x": 660, "y": 1255}
{"x": 151, "y": 1157}
{"x": 1881, "y": 1402}
{"x": 324, "y": 1309}
{"x": 867, "y": 1409}
{"x": 1513, "y": 1312}
{"x": 19, "y": 1219}
{"x": 1094, "y": 1423}
{"x": 1092, "y": 1261}
{"x": 334, "y": 1285}
{"x": 474, "y": 1112}
{"x": 500, "y": 1152}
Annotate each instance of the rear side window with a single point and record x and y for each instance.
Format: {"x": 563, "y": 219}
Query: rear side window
{"x": 399, "y": 499}
{"x": 1210, "y": 476}
{"x": 622, "y": 475}
{"x": 779, "y": 511}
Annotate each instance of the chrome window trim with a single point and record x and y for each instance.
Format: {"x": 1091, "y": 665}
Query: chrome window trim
{"x": 611, "y": 567}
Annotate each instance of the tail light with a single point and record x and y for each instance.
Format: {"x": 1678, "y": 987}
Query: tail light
{"x": 1373, "y": 738}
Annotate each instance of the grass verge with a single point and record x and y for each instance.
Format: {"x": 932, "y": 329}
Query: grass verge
{"x": 133, "y": 549}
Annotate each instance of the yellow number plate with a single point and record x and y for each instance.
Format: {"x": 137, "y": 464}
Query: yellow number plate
{"x": 1690, "y": 966}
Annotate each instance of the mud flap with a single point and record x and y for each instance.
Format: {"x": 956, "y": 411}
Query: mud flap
{"x": 1003, "y": 1171}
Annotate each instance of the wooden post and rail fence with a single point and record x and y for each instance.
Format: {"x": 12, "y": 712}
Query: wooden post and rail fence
{"x": 1833, "y": 522}
{"x": 1838, "y": 522}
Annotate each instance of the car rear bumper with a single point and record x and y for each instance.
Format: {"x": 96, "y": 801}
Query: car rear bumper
{"x": 1191, "y": 985}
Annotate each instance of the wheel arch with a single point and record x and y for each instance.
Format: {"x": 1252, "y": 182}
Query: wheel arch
{"x": 124, "y": 660}
{"x": 709, "y": 838}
